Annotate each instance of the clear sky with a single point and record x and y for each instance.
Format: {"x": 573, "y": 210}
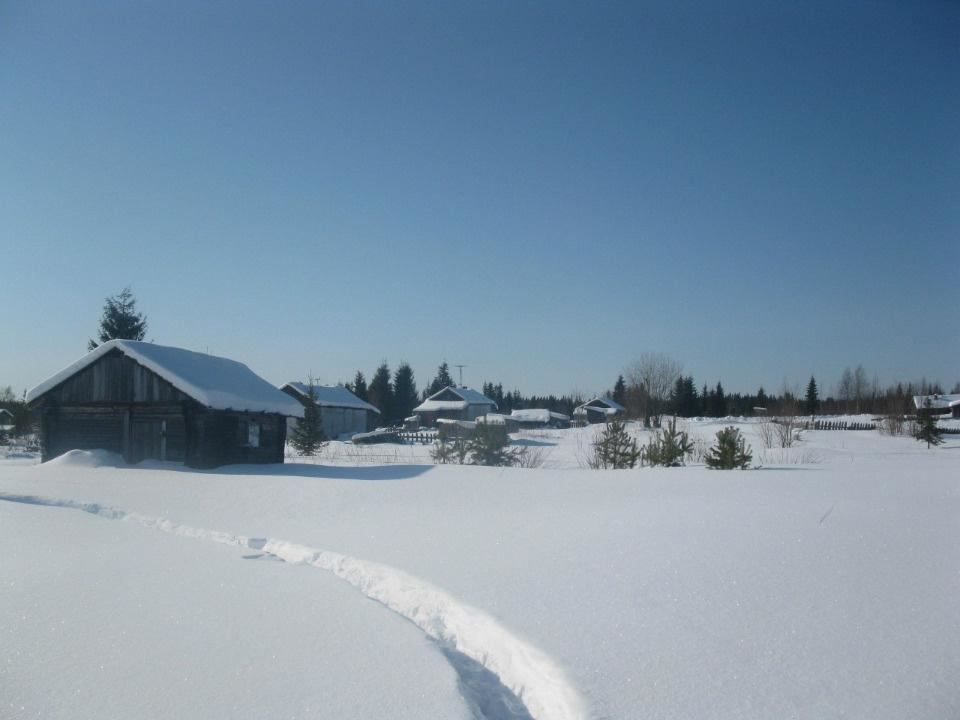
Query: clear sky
{"x": 540, "y": 191}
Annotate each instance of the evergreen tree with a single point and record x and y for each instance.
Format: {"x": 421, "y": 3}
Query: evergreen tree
{"x": 762, "y": 398}
{"x": 441, "y": 381}
{"x": 120, "y": 320}
{"x": 620, "y": 391}
{"x": 683, "y": 398}
{"x": 359, "y": 387}
{"x": 668, "y": 447}
{"x": 730, "y": 452}
{"x": 812, "y": 401}
{"x": 488, "y": 446}
{"x": 308, "y": 435}
{"x": 380, "y": 393}
{"x": 927, "y": 429}
{"x": 718, "y": 402}
{"x": 615, "y": 448}
{"x": 404, "y": 391}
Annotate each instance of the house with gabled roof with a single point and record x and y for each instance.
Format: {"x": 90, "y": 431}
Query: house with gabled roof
{"x": 938, "y": 404}
{"x": 147, "y": 401}
{"x": 453, "y": 403}
{"x": 341, "y": 412}
{"x": 598, "y": 410}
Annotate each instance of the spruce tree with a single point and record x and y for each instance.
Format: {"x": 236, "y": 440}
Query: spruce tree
{"x": 308, "y": 435}
{"x": 380, "y": 392}
{"x": 359, "y": 387}
{"x": 927, "y": 429}
{"x": 404, "y": 391}
{"x": 812, "y": 401}
{"x": 620, "y": 391}
{"x": 120, "y": 320}
{"x": 718, "y": 402}
{"x": 441, "y": 380}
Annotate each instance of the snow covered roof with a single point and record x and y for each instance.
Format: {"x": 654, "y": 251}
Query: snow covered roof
{"x": 467, "y": 397}
{"x": 937, "y": 402}
{"x": 496, "y": 419}
{"x": 214, "y": 382}
{"x": 332, "y": 396}
{"x": 537, "y": 415}
{"x": 606, "y": 405}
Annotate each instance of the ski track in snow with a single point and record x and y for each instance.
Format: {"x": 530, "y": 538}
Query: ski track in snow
{"x": 475, "y": 644}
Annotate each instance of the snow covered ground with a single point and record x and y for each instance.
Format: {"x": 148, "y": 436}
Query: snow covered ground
{"x": 823, "y": 585}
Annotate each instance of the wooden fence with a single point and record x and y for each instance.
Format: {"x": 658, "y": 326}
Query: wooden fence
{"x": 837, "y": 425}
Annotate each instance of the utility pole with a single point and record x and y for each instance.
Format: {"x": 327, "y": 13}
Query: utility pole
{"x": 460, "y": 368}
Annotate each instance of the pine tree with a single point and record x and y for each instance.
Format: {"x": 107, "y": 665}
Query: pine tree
{"x": 615, "y": 448}
{"x": 359, "y": 387}
{"x": 730, "y": 452}
{"x": 812, "y": 402}
{"x": 380, "y": 392}
{"x": 927, "y": 429}
{"x": 668, "y": 447}
{"x": 120, "y": 320}
{"x": 620, "y": 390}
{"x": 404, "y": 391}
{"x": 308, "y": 435}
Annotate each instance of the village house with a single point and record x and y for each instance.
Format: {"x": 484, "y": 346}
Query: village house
{"x": 146, "y": 401}
{"x": 940, "y": 404}
{"x": 341, "y": 412}
{"x": 453, "y": 403}
{"x": 598, "y": 410}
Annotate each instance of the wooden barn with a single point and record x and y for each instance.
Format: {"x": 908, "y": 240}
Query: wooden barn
{"x": 341, "y": 412}
{"x": 453, "y": 403}
{"x": 151, "y": 401}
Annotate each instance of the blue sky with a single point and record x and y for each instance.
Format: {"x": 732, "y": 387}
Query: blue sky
{"x": 539, "y": 191}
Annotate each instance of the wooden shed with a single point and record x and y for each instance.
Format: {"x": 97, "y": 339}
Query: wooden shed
{"x": 341, "y": 412}
{"x": 151, "y": 401}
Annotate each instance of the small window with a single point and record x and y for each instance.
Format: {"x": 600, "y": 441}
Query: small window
{"x": 253, "y": 435}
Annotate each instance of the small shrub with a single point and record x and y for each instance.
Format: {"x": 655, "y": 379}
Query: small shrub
{"x": 527, "y": 457}
{"x": 615, "y": 448}
{"x": 446, "y": 453}
{"x": 668, "y": 447}
{"x": 730, "y": 451}
{"x": 766, "y": 429}
{"x": 893, "y": 425}
{"x": 785, "y": 429}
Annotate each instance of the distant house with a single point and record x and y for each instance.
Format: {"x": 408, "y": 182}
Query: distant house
{"x": 453, "y": 403}
{"x": 598, "y": 410}
{"x": 341, "y": 412}
{"x": 509, "y": 422}
{"x": 6, "y": 417}
{"x": 151, "y": 401}
{"x": 938, "y": 404}
{"x": 540, "y": 418}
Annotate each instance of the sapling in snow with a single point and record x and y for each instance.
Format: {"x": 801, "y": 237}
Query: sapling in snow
{"x": 730, "y": 451}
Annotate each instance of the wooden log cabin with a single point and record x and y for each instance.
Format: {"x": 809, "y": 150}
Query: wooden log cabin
{"x": 146, "y": 401}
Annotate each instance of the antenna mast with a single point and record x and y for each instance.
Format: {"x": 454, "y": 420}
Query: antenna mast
{"x": 460, "y": 368}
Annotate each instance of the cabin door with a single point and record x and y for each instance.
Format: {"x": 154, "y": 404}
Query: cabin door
{"x": 148, "y": 440}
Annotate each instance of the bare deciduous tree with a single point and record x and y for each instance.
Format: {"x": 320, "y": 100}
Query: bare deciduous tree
{"x": 651, "y": 378}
